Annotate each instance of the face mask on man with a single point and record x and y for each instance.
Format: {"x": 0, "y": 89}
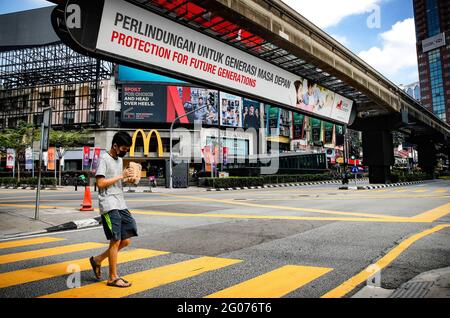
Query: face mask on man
{"x": 120, "y": 153}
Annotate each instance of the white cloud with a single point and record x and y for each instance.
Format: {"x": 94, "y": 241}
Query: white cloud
{"x": 396, "y": 58}
{"x": 327, "y": 13}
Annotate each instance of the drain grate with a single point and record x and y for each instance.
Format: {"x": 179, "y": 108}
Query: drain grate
{"x": 412, "y": 290}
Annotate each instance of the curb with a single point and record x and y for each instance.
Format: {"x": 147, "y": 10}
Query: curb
{"x": 282, "y": 185}
{"x": 381, "y": 186}
{"x": 75, "y": 225}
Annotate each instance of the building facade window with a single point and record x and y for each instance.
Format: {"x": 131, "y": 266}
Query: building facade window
{"x": 437, "y": 84}
{"x": 433, "y": 18}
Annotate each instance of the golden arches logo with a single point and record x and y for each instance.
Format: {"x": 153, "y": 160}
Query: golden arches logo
{"x": 146, "y": 139}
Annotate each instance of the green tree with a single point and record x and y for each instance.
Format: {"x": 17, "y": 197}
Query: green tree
{"x": 69, "y": 138}
{"x": 22, "y": 137}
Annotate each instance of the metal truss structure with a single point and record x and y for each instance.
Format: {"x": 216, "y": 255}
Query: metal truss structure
{"x": 51, "y": 75}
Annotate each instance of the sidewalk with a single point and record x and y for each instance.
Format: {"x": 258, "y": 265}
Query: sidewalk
{"x": 432, "y": 284}
{"x": 21, "y": 221}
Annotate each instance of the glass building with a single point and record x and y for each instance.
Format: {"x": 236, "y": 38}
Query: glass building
{"x": 432, "y": 20}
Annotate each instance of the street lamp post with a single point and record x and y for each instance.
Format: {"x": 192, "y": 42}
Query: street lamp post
{"x": 170, "y": 144}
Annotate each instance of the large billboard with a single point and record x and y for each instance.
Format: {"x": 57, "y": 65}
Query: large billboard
{"x": 144, "y": 103}
{"x": 150, "y": 103}
{"x": 138, "y": 37}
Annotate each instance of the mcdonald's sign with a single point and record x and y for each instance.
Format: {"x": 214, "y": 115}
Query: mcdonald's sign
{"x": 146, "y": 139}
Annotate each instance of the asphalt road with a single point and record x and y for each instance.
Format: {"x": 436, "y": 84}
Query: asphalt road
{"x": 314, "y": 241}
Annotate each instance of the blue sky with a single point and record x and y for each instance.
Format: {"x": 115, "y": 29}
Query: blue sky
{"x": 387, "y": 43}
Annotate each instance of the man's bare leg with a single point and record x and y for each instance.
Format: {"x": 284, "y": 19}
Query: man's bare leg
{"x": 100, "y": 258}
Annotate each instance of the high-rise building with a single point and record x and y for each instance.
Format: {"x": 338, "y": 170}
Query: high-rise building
{"x": 412, "y": 89}
{"x": 432, "y": 18}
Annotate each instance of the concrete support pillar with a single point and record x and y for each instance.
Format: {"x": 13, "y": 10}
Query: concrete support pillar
{"x": 427, "y": 156}
{"x": 378, "y": 152}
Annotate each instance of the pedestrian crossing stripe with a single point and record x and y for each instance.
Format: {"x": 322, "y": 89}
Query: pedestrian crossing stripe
{"x": 33, "y": 241}
{"x": 274, "y": 284}
{"x": 22, "y": 256}
{"x": 149, "y": 279}
{"x": 59, "y": 269}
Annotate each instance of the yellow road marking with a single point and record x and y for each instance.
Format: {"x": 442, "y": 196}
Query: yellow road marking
{"x": 434, "y": 214}
{"x": 360, "y": 278}
{"x": 33, "y": 241}
{"x": 335, "y": 198}
{"x": 148, "y": 279}
{"x": 420, "y": 191}
{"x": 441, "y": 191}
{"x": 279, "y": 207}
{"x": 275, "y": 217}
{"x": 16, "y": 257}
{"x": 399, "y": 191}
{"x": 422, "y": 218}
{"x": 274, "y": 284}
{"x": 54, "y": 270}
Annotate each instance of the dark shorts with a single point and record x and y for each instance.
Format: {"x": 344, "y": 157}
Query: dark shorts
{"x": 119, "y": 225}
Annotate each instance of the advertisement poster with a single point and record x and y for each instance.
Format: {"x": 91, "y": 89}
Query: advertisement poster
{"x": 95, "y": 159}
{"x": 320, "y": 101}
{"x": 144, "y": 103}
{"x": 339, "y": 135}
{"x": 342, "y": 108}
{"x": 51, "y": 158}
{"x": 251, "y": 114}
{"x": 10, "y": 158}
{"x": 231, "y": 110}
{"x": 28, "y": 159}
{"x": 184, "y": 99}
{"x": 316, "y": 129}
{"x": 273, "y": 119}
{"x": 328, "y": 138}
{"x": 299, "y": 120}
{"x": 86, "y": 152}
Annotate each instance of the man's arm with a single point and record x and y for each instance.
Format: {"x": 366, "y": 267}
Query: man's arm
{"x": 102, "y": 182}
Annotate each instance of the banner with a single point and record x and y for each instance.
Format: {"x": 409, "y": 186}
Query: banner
{"x": 95, "y": 159}
{"x": 130, "y": 33}
{"x": 339, "y": 135}
{"x": 51, "y": 158}
{"x": 29, "y": 158}
{"x": 184, "y": 99}
{"x": 273, "y": 119}
{"x": 316, "y": 129}
{"x": 231, "y": 110}
{"x": 10, "y": 158}
{"x": 86, "y": 152}
{"x": 225, "y": 155}
{"x": 144, "y": 103}
{"x": 328, "y": 139}
{"x": 251, "y": 114}
{"x": 299, "y": 121}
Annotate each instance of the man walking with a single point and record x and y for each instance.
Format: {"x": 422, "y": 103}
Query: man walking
{"x": 118, "y": 224}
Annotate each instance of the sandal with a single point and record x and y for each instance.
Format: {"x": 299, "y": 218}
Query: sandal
{"x": 97, "y": 268}
{"x": 114, "y": 283}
